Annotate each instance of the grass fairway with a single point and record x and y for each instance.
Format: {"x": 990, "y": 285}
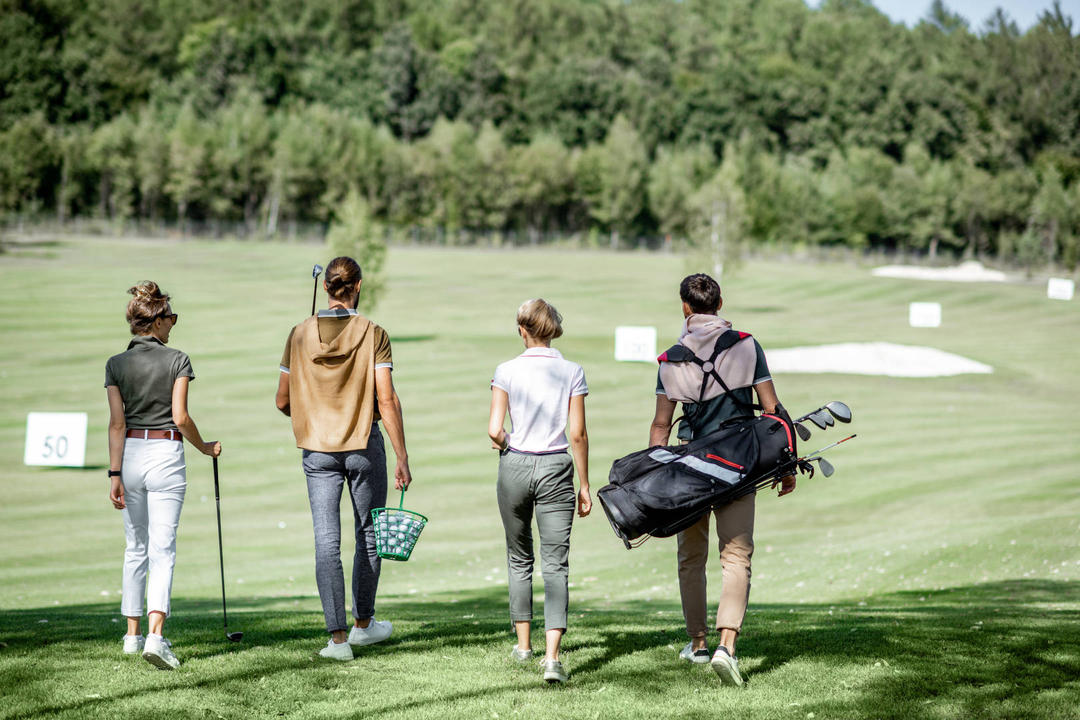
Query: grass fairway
{"x": 934, "y": 576}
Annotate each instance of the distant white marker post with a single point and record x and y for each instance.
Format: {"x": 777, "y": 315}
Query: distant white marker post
{"x": 635, "y": 344}
{"x": 1060, "y": 288}
{"x": 924, "y": 314}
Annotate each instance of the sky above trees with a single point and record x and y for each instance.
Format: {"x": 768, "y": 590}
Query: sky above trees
{"x": 1024, "y": 13}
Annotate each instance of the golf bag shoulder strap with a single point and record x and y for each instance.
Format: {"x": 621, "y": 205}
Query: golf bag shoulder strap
{"x": 680, "y": 353}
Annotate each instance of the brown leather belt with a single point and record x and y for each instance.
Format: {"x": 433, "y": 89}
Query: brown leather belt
{"x": 156, "y": 435}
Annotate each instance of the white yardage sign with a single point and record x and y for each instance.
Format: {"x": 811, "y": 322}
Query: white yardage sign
{"x": 924, "y": 314}
{"x": 635, "y": 344}
{"x": 1060, "y": 288}
{"x": 55, "y": 439}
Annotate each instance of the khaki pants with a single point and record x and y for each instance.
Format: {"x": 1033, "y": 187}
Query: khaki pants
{"x": 735, "y": 528}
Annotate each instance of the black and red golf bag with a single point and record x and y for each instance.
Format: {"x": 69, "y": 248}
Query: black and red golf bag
{"x": 663, "y": 490}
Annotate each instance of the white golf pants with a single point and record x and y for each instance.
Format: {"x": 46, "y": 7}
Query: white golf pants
{"x": 154, "y": 486}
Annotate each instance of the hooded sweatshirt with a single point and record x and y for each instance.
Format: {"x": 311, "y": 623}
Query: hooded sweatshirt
{"x": 332, "y": 386}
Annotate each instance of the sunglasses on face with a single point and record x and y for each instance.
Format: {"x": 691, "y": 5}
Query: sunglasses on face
{"x": 170, "y": 316}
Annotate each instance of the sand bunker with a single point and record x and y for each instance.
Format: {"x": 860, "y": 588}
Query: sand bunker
{"x": 970, "y": 271}
{"x": 879, "y": 358}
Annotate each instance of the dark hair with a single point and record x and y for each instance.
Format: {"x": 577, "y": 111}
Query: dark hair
{"x": 701, "y": 293}
{"x": 342, "y": 274}
{"x": 148, "y": 304}
{"x": 540, "y": 319}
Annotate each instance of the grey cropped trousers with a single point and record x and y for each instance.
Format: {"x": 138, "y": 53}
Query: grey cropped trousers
{"x": 540, "y": 485}
{"x": 364, "y": 471}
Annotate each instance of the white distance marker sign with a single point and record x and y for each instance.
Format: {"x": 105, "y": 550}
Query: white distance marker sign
{"x": 1060, "y": 289}
{"x": 55, "y": 439}
{"x": 924, "y": 314}
{"x": 635, "y": 344}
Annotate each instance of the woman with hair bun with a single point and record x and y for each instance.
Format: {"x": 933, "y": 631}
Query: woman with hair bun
{"x": 147, "y": 387}
{"x": 545, "y": 396}
{"x": 335, "y": 384}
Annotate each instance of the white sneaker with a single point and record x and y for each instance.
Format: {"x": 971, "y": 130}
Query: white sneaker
{"x": 689, "y": 654}
{"x": 133, "y": 644}
{"x": 521, "y": 656}
{"x": 553, "y": 671}
{"x": 337, "y": 651}
{"x": 158, "y": 652}
{"x": 727, "y": 667}
{"x": 377, "y": 631}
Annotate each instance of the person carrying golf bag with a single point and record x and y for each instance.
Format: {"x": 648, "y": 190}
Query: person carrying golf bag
{"x": 147, "y": 387}
{"x": 336, "y": 385}
{"x": 715, "y": 388}
{"x": 545, "y": 396}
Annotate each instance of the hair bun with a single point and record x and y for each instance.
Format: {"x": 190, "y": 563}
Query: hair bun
{"x": 146, "y": 290}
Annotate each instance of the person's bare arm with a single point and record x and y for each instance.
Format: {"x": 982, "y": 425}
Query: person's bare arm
{"x": 184, "y": 422}
{"x": 500, "y": 401}
{"x": 394, "y": 422}
{"x": 766, "y": 394}
{"x": 660, "y": 430}
{"x": 282, "y": 397}
{"x": 579, "y": 446}
{"x": 117, "y": 426}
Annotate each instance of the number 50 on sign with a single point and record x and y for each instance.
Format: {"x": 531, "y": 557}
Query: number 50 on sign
{"x": 55, "y": 439}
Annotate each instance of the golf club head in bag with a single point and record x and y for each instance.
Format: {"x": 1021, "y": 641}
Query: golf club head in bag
{"x": 804, "y": 432}
{"x": 839, "y": 410}
{"x": 816, "y": 419}
{"x": 826, "y": 418}
{"x": 827, "y": 468}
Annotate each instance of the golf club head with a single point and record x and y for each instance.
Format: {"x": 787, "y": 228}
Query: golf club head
{"x": 316, "y": 271}
{"x": 828, "y": 419}
{"x": 816, "y": 419}
{"x": 235, "y": 636}
{"x": 804, "y": 433}
{"x": 839, "y": 410}
{"x": 826, "y": 467}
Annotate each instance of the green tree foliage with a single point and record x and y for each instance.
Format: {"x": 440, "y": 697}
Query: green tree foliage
{"x": 839, "y": 126}
{"x": 356, "y": 233}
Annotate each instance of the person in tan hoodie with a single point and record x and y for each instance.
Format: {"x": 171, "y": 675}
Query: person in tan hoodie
{"x": 335, "y": 385}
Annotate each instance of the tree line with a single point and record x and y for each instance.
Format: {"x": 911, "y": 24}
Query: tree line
{"x": 764, "y": 120}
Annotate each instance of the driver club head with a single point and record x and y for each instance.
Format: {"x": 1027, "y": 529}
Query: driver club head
{"x": 839, "y": 410}
{"x": 235, "y": 636}
{"x": 316, "y": 271}
{"x": 804, "y": 433}
{"x": 827, "y": 468}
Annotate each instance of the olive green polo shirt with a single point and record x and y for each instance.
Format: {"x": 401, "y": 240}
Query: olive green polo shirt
{"x": 145, "y": 374}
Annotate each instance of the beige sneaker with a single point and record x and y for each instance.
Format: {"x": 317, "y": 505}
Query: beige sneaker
{"x": 158, "y": 652}
{"x": 337, "y": 651}
{"x": 521, "y": 656}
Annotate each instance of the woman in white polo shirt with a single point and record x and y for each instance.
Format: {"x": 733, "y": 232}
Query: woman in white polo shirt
{"x": 545, "y": 396}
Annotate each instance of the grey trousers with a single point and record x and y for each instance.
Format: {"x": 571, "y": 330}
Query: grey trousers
{"x": 365, "y": 473}
{"x": 542, "y": 485}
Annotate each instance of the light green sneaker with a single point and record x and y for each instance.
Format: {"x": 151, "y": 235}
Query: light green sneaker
{"x": 553, "y": 672}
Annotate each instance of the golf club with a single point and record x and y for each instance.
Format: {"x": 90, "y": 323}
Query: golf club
{"x": 234, "y": 636}
{"x": 804, "y": 433}
{"x": 816, "y": 419}
{"x": 826, "y": 467}
{"x": 315, "y": 272}
{"x": 826, "y": 418}
{"x": 839, "y": 410}
{"x": 816, "y": 455}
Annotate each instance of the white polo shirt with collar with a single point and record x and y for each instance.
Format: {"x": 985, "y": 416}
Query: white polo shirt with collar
{"x": 540, "y": 383}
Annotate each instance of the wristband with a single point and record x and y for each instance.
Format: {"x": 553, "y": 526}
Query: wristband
{"x": 114, "y": 473}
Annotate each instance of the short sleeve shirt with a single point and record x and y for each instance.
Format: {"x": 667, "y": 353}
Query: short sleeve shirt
{"x": 331, "y": 323}
{"x": 145, "y": 374}
{"x": 539, "y": 383}
{"x": 700, "y": 419}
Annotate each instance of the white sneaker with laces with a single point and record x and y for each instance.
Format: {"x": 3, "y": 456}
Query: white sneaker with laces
{"x": 158, "y": 652}
{"x": 726, "y": 667}
{"x": 337, "y": 651}
{"x": 133, "y": 644}
{"x": 521, "y": 656}
{"x": 689, "y": 654}
{"x": 377, "y": 631}
{"x": 553, "y": 672}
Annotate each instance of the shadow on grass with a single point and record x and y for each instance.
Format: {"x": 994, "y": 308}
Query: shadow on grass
{"x": 990, "y": 650}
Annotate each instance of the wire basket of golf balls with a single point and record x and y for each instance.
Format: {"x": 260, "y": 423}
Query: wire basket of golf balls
{"x": 397, "y": 530}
